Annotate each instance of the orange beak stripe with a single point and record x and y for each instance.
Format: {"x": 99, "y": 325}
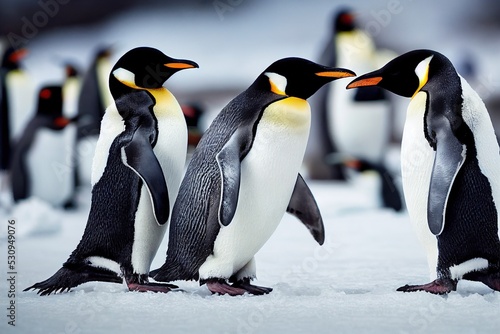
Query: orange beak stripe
{"x": 365, "y": 82}
{"x": 178, "y": 65}
{"x": 334, "y": 74}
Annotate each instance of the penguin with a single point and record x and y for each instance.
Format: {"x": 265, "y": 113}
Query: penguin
{"x": 350, "y": 123}
{"x": 137, "y": 169}
{"x": 71, "y": 90}
{"x": 93, "y": 99}
{"x": 449, "y": 161}
{"x": 389, "y": 192}
{"x": 14, "y": 90}
{"x": 40, "y": 162}
{"x": 243, "y": 177}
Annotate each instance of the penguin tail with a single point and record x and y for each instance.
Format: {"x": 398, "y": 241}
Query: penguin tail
{"x": 66, "y": 278}
{"x": 171, "y": 271}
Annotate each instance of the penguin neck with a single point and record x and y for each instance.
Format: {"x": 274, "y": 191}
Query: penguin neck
{"x": 444, "y": 90}
{"x": 119, "y": 89}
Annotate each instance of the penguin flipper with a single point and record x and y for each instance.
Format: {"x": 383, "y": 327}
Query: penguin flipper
{"x": 303, "y": 206}
{"x": 139, "y": 157}
{"x": 229, "y": 162}
{"x": 447, "y": 163}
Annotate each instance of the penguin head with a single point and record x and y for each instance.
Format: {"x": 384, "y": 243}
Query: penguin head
{"x": 343, "y": 20}
{"x": 50, "y": 101}
{"x": 298, "y": 77}
{"x": 407, "y": 74}
{"x": 70, "y": 70}
{"x": 12, "y": 58}
{"x": 144, "y": 68}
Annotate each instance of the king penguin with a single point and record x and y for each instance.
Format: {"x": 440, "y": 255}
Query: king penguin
{"x": 14, "y": 93}
{"x": 138, "y": 165}
{"x": 350, "y": 123}
{"x": 242, "y": 178}
{"x": 449, "y": 160}
{"x": 40, "y": 162}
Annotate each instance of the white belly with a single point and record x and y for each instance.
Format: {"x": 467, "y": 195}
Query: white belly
{"x": 359, "y": 129}
{"x": 21, "y": 95}
{"x": 268, "y": 176}
{"x": 50, "y": 166}
{"x": 417, "y": 159}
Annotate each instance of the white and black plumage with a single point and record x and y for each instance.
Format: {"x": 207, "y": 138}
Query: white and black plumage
{"x": 243, "y": 176}
{"x": 137, "y": 168}
{"x": 450, "y": 169}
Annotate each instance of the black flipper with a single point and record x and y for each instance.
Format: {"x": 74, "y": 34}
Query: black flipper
{"x": 229, "y": 162}
{"x": 142, "y": 160}
{"x": 449, "y": 158}
{"x": 303, "y": 206}
{"x": 66, "y": 278}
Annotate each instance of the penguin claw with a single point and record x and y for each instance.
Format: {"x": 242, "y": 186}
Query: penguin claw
{"x": 437, "y": 287}
{"x": 222, "y": 288}
{"x": 253, "y": 289}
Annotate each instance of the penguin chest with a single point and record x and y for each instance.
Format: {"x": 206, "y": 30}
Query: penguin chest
{"x": 20, "y": 92}
{"x": 361, "y": 129}
{"x": 268, "y": 176}
{"x": 417, "y": 159}
{"x": 49, "y": 165}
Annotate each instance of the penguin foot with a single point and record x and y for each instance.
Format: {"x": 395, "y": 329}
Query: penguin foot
{"x": 65, "y": 279}
{"x": 438, "y": 287}
{"x": 238, "y": 288}
{"x": 221, "y": 287}
{"x": 153, "y": 287}
{"x": 253, "y": 289}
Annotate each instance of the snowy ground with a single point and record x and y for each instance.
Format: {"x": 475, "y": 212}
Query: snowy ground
{"x": 346, "y": 286}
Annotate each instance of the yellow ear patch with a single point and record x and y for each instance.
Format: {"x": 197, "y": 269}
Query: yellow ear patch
{"x": 275, "y": 89}
{"x": 422, "y": 72}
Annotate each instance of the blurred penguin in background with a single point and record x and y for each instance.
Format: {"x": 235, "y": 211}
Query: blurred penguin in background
{"x": 93, "y": 99}
{"x": 192, "y": 113}
{"x": 71, "y": 90}
{"x": 71, "y": 93}
{"x": 15, "y": 105}
{"x": 350, "y": 123}
{"x": 41, "y": 161}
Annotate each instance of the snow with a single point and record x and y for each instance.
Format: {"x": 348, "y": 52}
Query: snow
{"x": 345, "y": 286}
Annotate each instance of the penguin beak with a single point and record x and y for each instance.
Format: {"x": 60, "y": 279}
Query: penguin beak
{"x": 181, "y": 64}
{"x": 370, "y": 79}
{"x": 336, "y": 73}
